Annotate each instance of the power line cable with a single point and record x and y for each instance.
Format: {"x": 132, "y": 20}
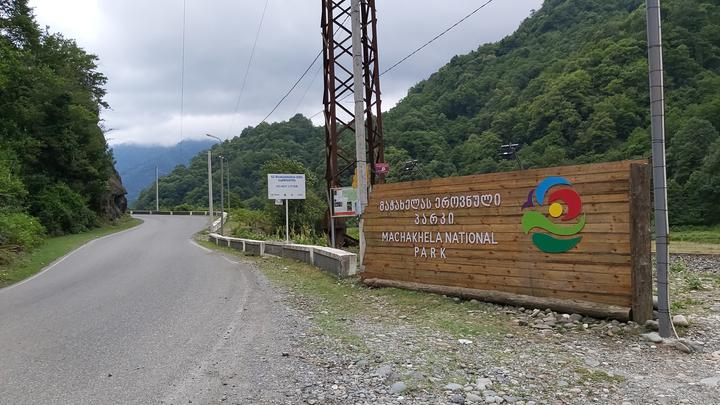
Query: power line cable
{"x": 307, "y": 89}
{"x": 182, "y": 73}
{"x": 411, "y": 54}
{"x": 293, "y": 87}
{"x": 301, "y": 77}
{"x": 249, "y": 64}
{"x": 436, "y": 37}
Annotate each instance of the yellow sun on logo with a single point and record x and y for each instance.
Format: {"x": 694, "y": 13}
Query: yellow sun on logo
{"x": 555, "y": 210}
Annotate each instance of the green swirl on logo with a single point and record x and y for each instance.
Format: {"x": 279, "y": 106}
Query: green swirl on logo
{"x": 536, "y": 220}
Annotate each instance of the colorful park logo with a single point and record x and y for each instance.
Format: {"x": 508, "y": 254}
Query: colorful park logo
{"x": 536, "y": 220}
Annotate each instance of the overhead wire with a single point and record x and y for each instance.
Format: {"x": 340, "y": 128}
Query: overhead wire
{"x": 293, "y": 87}
{"x": 298, "y": 80}
{"x": 411, "y": 54}
{"x": 182, "y": 72}
{"x": 249, "y": 64}
{"x": 436, "y": 37}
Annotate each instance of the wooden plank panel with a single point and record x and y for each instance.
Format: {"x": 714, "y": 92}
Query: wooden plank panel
{"x": 621, "y": 280}
{"x": 516, "y": 176}
{"x": 598, "y": 269}
{"x": 540, "y": 291}
{"x": 479, "y": 280}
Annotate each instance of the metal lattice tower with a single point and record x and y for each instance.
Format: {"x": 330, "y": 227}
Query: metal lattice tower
{"x": 338, "y": 78}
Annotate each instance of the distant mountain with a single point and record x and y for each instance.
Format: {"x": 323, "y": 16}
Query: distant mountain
{"x": 136, "y": 163}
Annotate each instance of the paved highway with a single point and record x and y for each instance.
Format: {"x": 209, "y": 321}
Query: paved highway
{"x": 143, "y": 316}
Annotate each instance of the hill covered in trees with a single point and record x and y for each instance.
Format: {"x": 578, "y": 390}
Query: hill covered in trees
{"x": 56, "y": 172}
{"x": 136, "y": 163}
{"x": 296, "y": 139}
{"x": 570, "y": 86}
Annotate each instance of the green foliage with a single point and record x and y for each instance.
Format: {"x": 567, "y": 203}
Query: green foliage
{"x": 570, "y": 86}
{"x": 678, "y": 266}
{"x": 305, "y": 216}
{"x": 697, "y": 234}
{"x": 251, "y": 222}
{"x": 296, "y": 139}
{"x": 20, "y": 230}
{"x": 51, "y": 143}
{"x": 187, "y": 207}
{"x": 693, "y": 282}
{"x": 62, "y": 210}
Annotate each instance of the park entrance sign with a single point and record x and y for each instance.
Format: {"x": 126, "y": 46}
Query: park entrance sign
{"x": 573, "y": 238}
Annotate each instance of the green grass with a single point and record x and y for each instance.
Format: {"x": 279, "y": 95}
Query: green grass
{"x": 51, "y": 249}
{"x": 596, "y": 376}
{"x": 686, "y": 303}
{"x": 353, "y": 232}
{"x": 697, "y": 234}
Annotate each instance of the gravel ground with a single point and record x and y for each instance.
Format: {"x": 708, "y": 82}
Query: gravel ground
{"x": 385, "y": 346}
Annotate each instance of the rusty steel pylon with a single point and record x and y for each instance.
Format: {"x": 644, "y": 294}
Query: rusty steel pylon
{"x": 337, "y": 99}
{"x": 338, "y": 95}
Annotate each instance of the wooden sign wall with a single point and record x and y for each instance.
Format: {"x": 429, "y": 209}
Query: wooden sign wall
{"x": 572, "y": 238}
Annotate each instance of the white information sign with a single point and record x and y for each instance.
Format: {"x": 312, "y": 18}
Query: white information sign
{"x": 286, "y": 186}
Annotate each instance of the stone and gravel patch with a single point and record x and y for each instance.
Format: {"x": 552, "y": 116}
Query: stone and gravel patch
{"x": 367, "y": 346}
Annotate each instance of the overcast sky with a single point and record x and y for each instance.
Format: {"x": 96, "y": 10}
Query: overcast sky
{"x": 139, "y": 43}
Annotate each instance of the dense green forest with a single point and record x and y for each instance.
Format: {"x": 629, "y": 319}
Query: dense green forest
{"x": 570, "y": 86}
{"x": 56, "y": 173}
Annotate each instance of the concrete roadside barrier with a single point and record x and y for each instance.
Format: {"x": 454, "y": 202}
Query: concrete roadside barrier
{"x": 334, "y": 261}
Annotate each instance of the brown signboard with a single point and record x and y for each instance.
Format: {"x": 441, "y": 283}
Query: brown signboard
{"x": 572, "y": 238}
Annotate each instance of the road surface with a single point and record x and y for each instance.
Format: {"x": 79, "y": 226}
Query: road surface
{"x": 144, "y": 316}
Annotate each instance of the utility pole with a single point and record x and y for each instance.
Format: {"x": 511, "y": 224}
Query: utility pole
{"x": 222, "y": 197}
{"x": 227, "y": 179}
{"x": 346, "y": 22}
{"x": 157, "y": 189}
{"x": 210, "y": 193}
{"x": 657, "y": 126}
{"x": 360, "y": 140}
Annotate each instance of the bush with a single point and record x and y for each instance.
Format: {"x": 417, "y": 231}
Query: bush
{"x": 187, "y": 207}
{"x": 252, "y": 221}
{"x": 20, "y": 230}
{"x": 61, "y": 210}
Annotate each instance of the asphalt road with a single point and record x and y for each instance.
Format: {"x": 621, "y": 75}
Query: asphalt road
{"x": 143, "y": 316}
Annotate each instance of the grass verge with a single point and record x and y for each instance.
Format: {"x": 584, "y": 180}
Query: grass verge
{"x": 679, "y": 247}
{"x": 334, "y": 303}
{"x": 697, "y": 234}
{"x": 51, "y": 249}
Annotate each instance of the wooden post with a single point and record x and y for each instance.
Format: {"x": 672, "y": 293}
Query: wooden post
{"x": 640, "y": 254}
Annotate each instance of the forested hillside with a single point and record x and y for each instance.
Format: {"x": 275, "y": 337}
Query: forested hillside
{"x": 136, "y": 163}
{"x": 570, "y": 86}
{"x": 56, "y": 173}
{"x": 296, "y": 139}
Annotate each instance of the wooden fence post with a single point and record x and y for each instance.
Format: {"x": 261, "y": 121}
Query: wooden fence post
{"x": 640, "y": 254}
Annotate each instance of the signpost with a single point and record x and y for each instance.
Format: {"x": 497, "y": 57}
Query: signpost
{"x": 286, "y": 187}
{"x": 573, "y": 237}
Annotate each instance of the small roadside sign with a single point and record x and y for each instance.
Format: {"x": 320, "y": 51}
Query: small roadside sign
{"x": 345, "y": 202}
{"x": 286, "y": 186}
{"x": 382, "y": 168}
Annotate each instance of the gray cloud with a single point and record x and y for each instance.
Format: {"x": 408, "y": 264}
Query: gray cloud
{"x": 139, "y": 46}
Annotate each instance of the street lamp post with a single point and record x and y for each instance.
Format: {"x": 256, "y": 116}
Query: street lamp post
{"x": 222, "y": 196}
{"x": 210, "y": 193}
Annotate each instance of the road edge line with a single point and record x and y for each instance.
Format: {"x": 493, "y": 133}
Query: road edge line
{"x": 61, "y": 259}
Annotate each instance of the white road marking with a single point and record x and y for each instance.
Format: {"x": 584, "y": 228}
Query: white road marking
{"x": 230, "y": 261}
{"x": 60, "y": 260}
{"x": 201, "y": 247}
